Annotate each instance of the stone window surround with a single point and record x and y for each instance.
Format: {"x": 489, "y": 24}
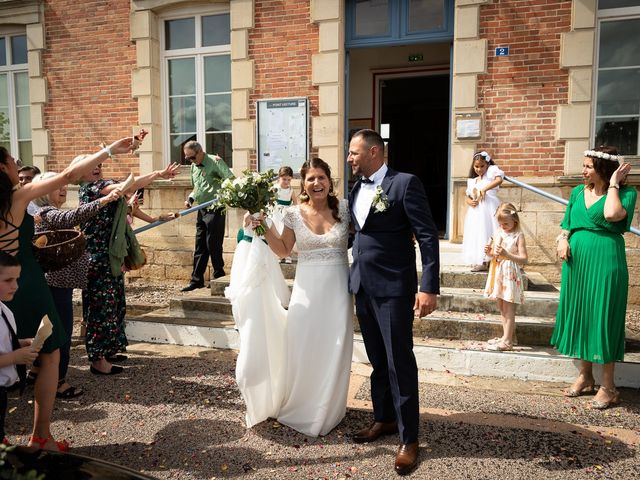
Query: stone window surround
{"x": 327, "y": 73}
{"x": 614, "y": 14}
{"x": 29, "y": 14}
{"x": 197, "y": 53}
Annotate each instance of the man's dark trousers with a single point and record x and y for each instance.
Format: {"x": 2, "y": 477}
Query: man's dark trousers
{"x": 209, "y": 236}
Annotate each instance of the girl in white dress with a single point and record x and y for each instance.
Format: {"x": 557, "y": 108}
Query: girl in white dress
{"x": 286, "y": 197}
{"x": 508, "y": 252}
{"x": 483, "y": 184}
{"x": 319, "y": 338}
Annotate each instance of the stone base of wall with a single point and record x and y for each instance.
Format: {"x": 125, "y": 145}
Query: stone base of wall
{"x": 169, "y": 247}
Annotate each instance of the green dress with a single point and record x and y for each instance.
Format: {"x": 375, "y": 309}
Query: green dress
{"x": 595, "y": 281}
{"x": 33, "y": 299}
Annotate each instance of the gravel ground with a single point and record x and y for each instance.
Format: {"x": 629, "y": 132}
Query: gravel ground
{"x": 176, "y": 414}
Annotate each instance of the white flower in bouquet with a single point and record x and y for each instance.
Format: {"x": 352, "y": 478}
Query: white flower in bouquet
{"x": 253, "y": 191}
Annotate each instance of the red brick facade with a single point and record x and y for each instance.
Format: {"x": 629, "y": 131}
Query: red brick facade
{"x": 88, "y": 62}
{"x": 521, "y": 92}
{"x": 281, "y": 45}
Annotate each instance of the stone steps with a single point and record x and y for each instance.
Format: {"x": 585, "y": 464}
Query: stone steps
{"x": 451, "y": 356}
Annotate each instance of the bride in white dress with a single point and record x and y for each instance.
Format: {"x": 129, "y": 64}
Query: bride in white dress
{"x": 319, "y": 329}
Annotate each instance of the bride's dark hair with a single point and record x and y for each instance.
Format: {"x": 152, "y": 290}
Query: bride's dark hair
{"x": 6, "y": 188}
{"x": 331, "y": 198}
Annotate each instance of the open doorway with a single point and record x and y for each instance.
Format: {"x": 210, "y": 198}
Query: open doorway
{"x": 416, "y": 110}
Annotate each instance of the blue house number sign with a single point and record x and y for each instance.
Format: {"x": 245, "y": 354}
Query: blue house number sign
{"x": 502, "y": 51}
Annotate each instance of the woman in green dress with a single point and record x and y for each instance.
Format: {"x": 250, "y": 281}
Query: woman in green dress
{"x": 593, "y": 296}
{"x": 33, "y": 298}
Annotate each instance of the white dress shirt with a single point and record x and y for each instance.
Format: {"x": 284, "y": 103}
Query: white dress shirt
{"x": 8, "y": 374}
{"x": 364, "y": 196}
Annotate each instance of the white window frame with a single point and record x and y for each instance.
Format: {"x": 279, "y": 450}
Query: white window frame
{"x": 611, "y": 14}
{"x": 199, "y": 53}
{"x": 11, "y": 71}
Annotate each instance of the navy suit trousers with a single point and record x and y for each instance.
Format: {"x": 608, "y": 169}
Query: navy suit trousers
{"x": 386, "y": 324}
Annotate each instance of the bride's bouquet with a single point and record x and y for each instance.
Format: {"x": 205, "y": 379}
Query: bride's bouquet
{"x": 252, "y": 191}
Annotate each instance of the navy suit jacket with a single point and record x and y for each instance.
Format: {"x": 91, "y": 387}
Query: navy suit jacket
{"x": 384, "y": 258}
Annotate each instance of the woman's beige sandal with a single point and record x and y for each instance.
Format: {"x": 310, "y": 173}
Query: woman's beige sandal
{"x": 588, "y": 389}
{"x": 603, "y": 405}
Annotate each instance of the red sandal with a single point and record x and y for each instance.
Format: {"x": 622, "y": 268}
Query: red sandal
{"x": 62, "y": 446}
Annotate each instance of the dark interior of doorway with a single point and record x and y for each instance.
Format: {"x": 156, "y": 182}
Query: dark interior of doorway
{"x": 417, "y": 110}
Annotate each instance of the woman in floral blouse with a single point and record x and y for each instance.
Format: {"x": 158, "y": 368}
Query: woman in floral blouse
{"x": 61, "y": 282}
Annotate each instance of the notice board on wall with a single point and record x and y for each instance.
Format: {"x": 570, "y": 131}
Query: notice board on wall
{"x": 283, "y": 133}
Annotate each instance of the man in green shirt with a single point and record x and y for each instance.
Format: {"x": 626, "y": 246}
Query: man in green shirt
{"x": 207, "y": 173}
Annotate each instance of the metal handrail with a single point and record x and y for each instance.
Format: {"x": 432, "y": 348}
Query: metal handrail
{"x": 550, "y": 196}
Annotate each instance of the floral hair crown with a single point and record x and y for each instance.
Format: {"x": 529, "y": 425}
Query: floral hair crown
{"x": 506, "y": 211}
{"x": 485, "y": 156}
{"x": 603, "y": 155}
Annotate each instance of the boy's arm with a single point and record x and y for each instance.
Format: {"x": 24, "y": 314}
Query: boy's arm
{"x": 22, "y": 356}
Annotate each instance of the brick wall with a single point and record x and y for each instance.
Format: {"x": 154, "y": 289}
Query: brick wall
{"x": 88, "y": 60}
{"x": 521, "y": 92}
{"x": 281, "y": 45}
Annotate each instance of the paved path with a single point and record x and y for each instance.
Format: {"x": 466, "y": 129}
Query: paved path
{"x": 176, "y": 413}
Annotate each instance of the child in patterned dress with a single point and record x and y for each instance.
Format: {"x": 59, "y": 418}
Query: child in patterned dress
{"x": 508, "y": 253}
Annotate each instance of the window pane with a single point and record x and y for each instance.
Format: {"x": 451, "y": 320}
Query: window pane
{"x": 426, "y": 15}
{"x": 4, "y": 125}
{"x": 19, "y": 49}
{"x": 618, "y": 92}
{"x": 22, "y": 88}
{"x": 217, "y": 74}
{"x": 619, "y": 43}
{"x": 218, "y": 112}
{"x": 3, "y": 51}
{"x": 180, "y": 33}
{"x": 182, "y": 77}
{"x": 24, "y": 123}
{"x": 220, "y": 144}
{"x": 216, "y": 30}
{"x": 182, "y": 114}
{"x": 176, "y": 154}
{"x": 4, "y": 98}
{"x": 621, "y": 133}
{"x": 372, "y": 17}
{"x": 25, "y": 152}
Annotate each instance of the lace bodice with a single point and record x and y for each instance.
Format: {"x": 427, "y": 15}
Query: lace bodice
{"x": 327, "y": 249}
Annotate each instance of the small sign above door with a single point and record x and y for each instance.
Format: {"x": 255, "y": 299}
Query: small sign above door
{"x": 502, "y": 51}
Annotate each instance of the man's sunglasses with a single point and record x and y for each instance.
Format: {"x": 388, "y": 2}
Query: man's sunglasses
{"x": 190, "y": 159}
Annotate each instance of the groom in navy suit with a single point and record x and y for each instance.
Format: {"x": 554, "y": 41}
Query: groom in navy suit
{"x": 389, "y": 209}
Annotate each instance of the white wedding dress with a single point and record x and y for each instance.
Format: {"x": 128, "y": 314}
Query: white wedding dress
{"x": 295, "y": 365}
{"x": 258, "y": 293}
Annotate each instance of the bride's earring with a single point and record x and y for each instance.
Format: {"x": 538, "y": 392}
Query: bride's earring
{"x": 332, "y": 193}
{"x": 303, "y": 196}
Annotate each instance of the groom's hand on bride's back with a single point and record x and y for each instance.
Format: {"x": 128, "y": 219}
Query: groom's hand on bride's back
{"x": 425, "y": 304}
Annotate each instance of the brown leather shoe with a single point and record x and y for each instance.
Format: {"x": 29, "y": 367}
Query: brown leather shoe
{"x": 375, "y": 431}
{"x": 407, "y": 458}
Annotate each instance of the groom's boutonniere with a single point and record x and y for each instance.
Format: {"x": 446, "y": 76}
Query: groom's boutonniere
{"x": 380, "y": 202}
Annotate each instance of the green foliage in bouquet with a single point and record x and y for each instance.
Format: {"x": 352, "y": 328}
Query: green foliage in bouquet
{"x": 252, "y": 191}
